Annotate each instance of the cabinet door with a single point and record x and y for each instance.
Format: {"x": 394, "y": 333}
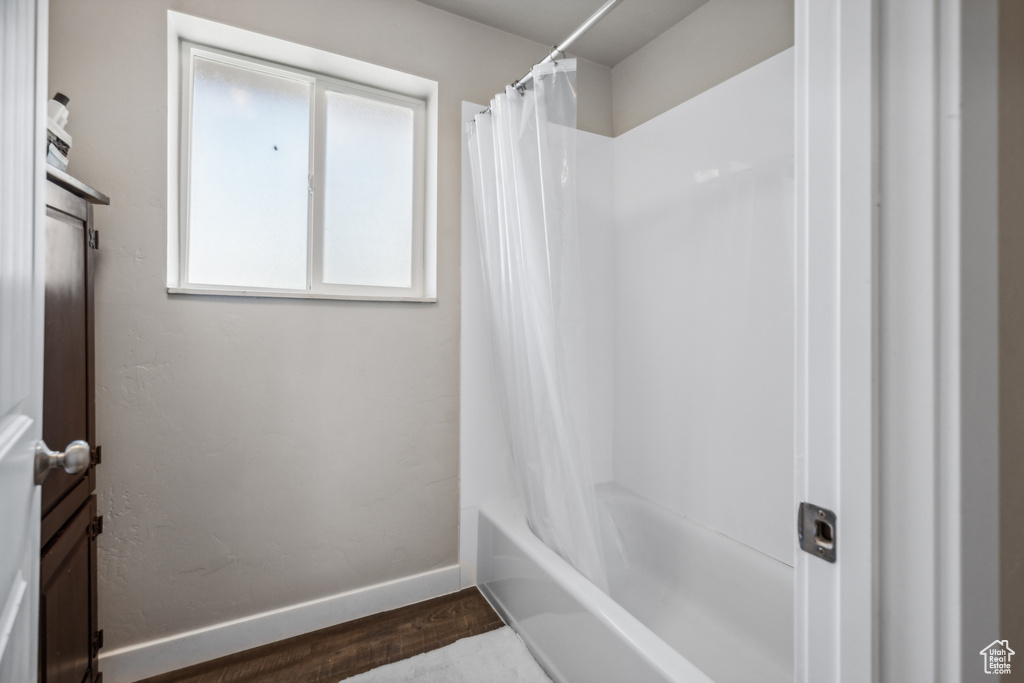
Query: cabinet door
{"x": 66, "y": 630}
{"x": 66, "y": 392}
{"x": 68, "y": 584}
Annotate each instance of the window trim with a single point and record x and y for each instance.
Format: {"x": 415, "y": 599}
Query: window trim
{"x": 188, "y": 36}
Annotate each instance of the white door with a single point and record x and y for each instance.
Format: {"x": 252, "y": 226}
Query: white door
{"x": 22, "y": 88}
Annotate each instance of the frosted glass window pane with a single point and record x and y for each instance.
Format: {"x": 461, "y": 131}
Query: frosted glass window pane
{"x": 368, "y": 195}
{"x": 249, "y": 178}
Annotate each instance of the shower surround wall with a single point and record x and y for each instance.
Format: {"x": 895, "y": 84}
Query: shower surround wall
{"x": 704, "y": 308}
{"x": 686, "y": 225}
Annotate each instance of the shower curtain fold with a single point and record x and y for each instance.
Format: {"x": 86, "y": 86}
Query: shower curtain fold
{"x": 523, "y": 156}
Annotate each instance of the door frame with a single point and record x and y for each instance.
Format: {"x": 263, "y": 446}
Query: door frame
{"x": 897, "y": 336}
{"x": 836, "y": 327}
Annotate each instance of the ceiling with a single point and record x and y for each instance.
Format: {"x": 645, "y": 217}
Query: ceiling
{"x": 628, "y": 27}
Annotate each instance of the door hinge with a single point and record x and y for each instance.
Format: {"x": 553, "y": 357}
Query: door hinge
{"x": 99, "y": 678}
{"x": 97, "y": 642}
{"x": 816, "y": 529}
{"x": 94, "y": 239}
{"x": 96, "y": 456}
{"x": 96, "y": 528}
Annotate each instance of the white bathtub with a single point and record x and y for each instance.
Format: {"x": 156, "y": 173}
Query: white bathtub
{"x": 685, "y": 603}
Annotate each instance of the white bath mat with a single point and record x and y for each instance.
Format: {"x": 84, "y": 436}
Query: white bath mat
{"x": 496, "y": 657}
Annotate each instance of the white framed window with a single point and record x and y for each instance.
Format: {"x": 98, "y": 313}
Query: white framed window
{"x": 299, "y": 173}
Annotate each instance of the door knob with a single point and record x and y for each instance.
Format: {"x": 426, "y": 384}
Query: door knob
{"x": 74, "y": 459}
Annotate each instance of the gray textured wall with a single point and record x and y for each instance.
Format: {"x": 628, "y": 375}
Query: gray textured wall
{"x": 716, "y": 42}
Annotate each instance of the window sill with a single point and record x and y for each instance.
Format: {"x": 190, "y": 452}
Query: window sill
{"x": 270, "y": 294}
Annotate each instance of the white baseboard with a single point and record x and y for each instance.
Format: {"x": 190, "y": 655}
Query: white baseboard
{"x": 193, "y": 647}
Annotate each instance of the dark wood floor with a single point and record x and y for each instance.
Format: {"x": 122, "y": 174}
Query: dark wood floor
{"x": 334, "y": 653}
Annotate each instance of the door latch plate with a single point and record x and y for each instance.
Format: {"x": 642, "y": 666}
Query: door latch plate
{"x": 816, "y": 529}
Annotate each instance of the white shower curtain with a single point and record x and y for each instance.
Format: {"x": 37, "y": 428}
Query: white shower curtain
{"x": 523, "y": 155}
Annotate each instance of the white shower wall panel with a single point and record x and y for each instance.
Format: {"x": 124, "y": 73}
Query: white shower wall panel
{"x": 703, "y": 308}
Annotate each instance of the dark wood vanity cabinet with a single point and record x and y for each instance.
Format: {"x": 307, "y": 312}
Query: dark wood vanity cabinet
{"x": 69, "y": 637}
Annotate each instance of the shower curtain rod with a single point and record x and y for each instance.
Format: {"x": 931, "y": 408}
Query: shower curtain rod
{"x": 567, "y": 43}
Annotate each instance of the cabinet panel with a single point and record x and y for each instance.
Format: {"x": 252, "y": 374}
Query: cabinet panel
{"x": 65, "y": 361}
{"x": 65, "y": 623}
{"x": 65, "y": 510}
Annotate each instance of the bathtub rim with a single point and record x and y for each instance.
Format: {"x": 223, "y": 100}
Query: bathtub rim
{"x": 508, "y": 516}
